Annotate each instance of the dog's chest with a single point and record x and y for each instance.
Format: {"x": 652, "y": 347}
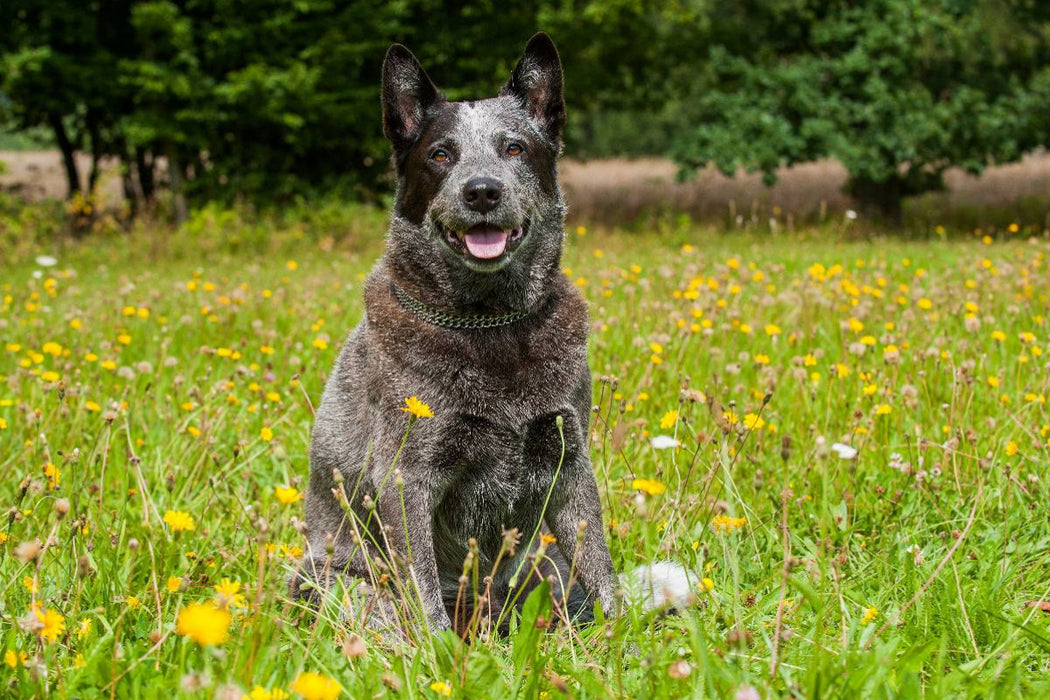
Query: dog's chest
{"x": 497, "y": 479}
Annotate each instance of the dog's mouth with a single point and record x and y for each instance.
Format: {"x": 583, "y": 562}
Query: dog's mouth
{"x": 484, "y": 243}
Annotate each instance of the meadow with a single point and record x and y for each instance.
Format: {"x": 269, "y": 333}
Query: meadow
{"x": 845, "y": 437}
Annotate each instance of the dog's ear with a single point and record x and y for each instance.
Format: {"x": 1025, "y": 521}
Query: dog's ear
{"x": 408, "y": 93}
{"x": 537, "y": 82}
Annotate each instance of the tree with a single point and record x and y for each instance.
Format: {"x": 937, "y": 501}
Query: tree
{"x": 898, "y": 90}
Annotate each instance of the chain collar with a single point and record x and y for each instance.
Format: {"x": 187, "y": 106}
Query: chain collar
{"x": 447, "y": 320}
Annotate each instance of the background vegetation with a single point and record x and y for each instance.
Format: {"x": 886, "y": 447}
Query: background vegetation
{"x": 273, "y": 98}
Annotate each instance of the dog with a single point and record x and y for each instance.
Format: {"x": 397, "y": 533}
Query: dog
{"x": 469, "y": 311}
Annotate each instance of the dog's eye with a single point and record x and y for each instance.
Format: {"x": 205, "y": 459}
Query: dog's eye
{"x": 439, "y": 156}
{"x": 514, "y": 150}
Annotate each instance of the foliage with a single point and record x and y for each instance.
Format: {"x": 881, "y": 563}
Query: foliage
{"x": 153, "y": 400}
{"x": 898, "y": 90}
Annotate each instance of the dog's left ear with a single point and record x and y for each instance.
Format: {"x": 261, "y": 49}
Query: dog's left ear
{"x": 537, "y": 82}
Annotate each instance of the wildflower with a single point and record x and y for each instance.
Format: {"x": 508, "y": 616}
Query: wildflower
{"x": 50, "y": 376}
{"x": 174, "y": 584}
{"x": 204, "y": 623}
{"x": 133, "y": 602}
{"x": 1011, "y": 448}
{"x": 12, "y": 658}
{"x": 51, "y": 626}
{"x": 653, "y": 488}
{"x": 320, "y": 343}
{"x": 753, "y": 421}
{"x": 441, "y": 688}
{"x": 663, "y": 442}
{"x": 725, "y": 524}
{"x": 883, "y": 409}
{"x": 53, "y": 474}
{"x": 869, "y": 615}
{"x": 287, "y": 495}
{"x": 844, "y": 451}
{"x": 229, "y": 594}
{"x": 669, "y": 420}
{"x": 707, "y": 584}
{"x": 314, "y": 686}
{"x": 92, "y": 406}
{"x": 52, "y": 349}
{"x": 417, "y": 408}
{"x": 84, "y": 628}
{"x": 266, "y": 434}
{"x": 772, "y": 329}
{"x": 179, "y": 521}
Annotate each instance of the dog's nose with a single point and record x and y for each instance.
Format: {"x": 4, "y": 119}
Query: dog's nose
{"x": 482, "y": 194}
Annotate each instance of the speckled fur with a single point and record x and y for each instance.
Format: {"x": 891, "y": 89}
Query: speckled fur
{"x": 486, "y": 461}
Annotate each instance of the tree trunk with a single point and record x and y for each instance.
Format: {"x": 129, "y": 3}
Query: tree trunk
{"x": 144, "y": 165}
{"x": 69, "y": 156}
{"x": 879, "y": 200}
{"x": 96, "y": 150}
{"x": 177, "y": 176}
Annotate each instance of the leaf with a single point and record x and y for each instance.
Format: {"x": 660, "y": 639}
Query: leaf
{"x": 535, "y": 616}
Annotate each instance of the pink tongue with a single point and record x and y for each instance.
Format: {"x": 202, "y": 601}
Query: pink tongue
{"x": 485, "y": 243}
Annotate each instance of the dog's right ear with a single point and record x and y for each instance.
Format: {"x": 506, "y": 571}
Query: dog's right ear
{"x": 408, "y": 93}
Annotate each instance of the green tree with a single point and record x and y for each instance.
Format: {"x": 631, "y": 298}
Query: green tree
{"x": 897, "y": 90}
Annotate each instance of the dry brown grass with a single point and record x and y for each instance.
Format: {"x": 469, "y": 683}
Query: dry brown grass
{"x": 611, "y": 192}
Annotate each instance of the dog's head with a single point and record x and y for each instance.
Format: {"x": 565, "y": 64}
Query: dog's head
{"x": 478, "y": 218}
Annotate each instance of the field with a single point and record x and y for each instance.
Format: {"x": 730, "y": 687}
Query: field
{"x": 859, "y": 477}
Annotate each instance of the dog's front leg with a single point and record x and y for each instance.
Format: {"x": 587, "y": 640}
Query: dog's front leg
{"x": 574, "y": 499}
{"x": 407, "y": 513}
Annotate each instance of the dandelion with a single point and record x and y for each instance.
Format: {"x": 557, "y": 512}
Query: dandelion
{"x": 883, "y": 409}
{"x": 205, "y": 623}
{"x": 416, "y": 408}
{"x": 179, "y": 521}
{"x": 653, "y": 488}
{"x": 725, "y": 524}
{"x": 174, "y": 584}
{"x": 266, "y": 434}
{"x": 441, "y": 688}
{"x": 669, "y": 419}
{"x": 84, "y": 628}
{"x": 869, "y": 615}
{"x": 51, "y": 624}
{"x": 707, "y": 584}
{"x": 287, "y": 495}
{"x": 314, "y": 686}
{"x": 50, "y": 376}
{"x": 229, "y": 594}
{"x": 1011, "y": 448}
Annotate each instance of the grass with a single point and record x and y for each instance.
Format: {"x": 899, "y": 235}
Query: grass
{"x": 139, "y": 376}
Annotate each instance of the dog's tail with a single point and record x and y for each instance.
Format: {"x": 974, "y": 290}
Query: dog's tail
{"x": 662, "y": 584}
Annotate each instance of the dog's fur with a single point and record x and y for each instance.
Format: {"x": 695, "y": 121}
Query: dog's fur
{"x": 511, "y": 404}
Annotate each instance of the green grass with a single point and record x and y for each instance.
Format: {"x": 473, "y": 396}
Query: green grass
{"x": 146, "y": 372}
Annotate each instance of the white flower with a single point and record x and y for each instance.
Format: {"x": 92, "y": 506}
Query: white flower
{"x": 46, "y": 261}
{"x": 851, "y": 215}
{"x": 844, "y": 451}
{"x": 664, "y": 442}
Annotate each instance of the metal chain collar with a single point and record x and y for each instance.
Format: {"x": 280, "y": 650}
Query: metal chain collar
{"x": 447, "y": 320}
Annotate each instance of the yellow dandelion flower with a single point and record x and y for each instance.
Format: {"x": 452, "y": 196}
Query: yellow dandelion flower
{"x": 50, "y": 376}
{"x": 726, "y": 524}
{"x": 266, "y": 434}
{"x": 84, "y": 628}
{"x": 204, "y": 623}
{"x": 417, "y": 408}
{"x": 1011, "y": 448}
{"x": 707, "y": 584}
{"x": 669, "y": 420}
{"x": 174, "y": 584}
{"x": 653, "y": 488}
{"x": 869, "y": 615}
{"x": 52, "y": 624}
{"x": 441, "y": 688}
{"x": 287, "y": 495}
{"x": 229, "y": 594}
{"x": 179, "y": 521}
{"x": 883, "y": 409}
{"x": 314, "y": 686}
